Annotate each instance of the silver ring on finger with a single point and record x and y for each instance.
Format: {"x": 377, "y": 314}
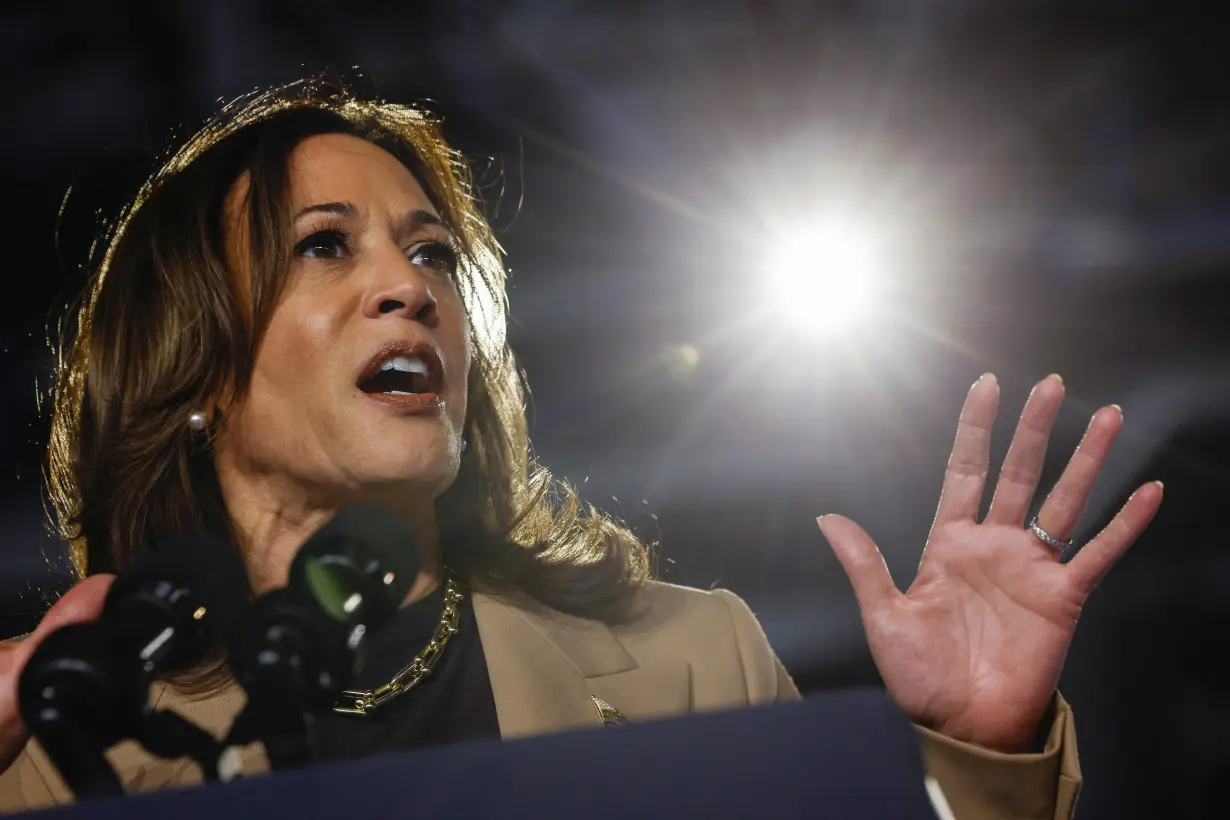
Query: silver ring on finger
{"x": 1047, "y": 538}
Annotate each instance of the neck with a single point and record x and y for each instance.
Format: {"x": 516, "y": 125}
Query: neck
{"x": 271, "y": 526}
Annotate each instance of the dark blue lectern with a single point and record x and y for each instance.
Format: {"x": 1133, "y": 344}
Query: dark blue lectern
{"x": 845, "y": 755}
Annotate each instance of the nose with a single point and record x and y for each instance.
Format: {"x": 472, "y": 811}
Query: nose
{"x": 402, "y": 290}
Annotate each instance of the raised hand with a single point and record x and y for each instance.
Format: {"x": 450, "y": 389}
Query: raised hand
{"x": 84, "y": 602}
{"x": 974, "y": 648}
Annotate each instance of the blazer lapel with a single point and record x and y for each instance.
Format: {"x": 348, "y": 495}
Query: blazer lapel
{"x": 547, "y": 668}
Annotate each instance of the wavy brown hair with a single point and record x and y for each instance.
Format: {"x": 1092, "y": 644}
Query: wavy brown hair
{"x": 162, "y": 328}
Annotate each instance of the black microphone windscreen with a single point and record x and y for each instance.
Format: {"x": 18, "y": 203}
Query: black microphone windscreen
{"x": 363, "y": 550}
{"x": 382, "y": 531}
{"x": 209, "y": 566}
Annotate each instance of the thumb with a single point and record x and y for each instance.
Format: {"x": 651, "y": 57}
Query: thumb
{"x": 861, "y": 559}
{"x": 83, "y": 602}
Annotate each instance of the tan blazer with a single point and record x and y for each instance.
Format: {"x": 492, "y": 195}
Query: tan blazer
{"x": 689, "y": 650}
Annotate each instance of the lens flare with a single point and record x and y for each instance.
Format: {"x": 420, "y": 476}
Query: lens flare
{"x": 825, "y": 274}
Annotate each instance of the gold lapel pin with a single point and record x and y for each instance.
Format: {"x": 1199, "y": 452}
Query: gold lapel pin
{"x": 609, "y": 714}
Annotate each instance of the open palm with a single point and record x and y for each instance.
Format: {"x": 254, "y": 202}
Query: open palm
{"x": 974, "y": 648}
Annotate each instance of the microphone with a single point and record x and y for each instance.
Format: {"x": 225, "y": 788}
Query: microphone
{"x": 177, "y": 603}
{"x": 86, "y": 686}
{"x": 358, "y": 567}
{"x": 298, "y": 646}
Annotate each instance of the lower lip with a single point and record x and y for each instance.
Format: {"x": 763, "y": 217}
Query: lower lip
{"x": 413, "y": 403}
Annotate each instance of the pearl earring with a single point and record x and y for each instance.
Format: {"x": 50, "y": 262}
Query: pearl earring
{"x": 197, "y": 421}
{"x": 464, "y": 445}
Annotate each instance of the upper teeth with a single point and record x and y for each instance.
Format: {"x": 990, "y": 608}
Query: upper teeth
{"x": 405, "y": 364}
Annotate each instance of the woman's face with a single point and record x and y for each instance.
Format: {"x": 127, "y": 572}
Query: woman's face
{"x": 359, "y": 385}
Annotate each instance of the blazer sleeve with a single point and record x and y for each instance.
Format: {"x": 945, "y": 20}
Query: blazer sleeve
{"x": 24, "y": 786}
{"x": 977, "y": 782}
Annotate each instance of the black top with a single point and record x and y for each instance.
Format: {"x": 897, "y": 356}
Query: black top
{"x": 452, "y": 704}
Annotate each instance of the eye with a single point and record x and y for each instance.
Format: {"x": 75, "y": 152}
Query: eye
{"x": 441, "y": 256}
{"x": 327, "y": 244}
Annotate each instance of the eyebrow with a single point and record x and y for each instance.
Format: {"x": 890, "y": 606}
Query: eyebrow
{"x": 339, "y": 208}
{"x": 412, "y": 220}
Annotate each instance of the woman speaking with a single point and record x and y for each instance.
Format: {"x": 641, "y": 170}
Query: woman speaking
{"x": 304, "y": 309}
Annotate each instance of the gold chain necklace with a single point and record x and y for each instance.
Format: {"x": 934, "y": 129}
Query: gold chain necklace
{"x": 359, "y": 703}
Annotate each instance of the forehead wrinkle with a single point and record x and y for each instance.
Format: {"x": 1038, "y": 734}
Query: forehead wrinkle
{"x": 315, "y": 179}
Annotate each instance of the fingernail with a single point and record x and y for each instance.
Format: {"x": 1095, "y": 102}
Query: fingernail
{"x": 1056, "y": 377}
{"x": 1117, "y": 407}
{"x": 1160, "y": 485}
{"x": 985, "y": 377}
{"x": 820, "y": 521}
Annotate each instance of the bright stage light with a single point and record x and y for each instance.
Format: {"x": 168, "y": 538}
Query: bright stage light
{"x": 826, "y": 273}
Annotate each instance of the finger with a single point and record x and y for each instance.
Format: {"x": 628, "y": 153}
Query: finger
{"x": 1018, "y": 478}
{"x": 1097, "y": 557}
{"x": 83, "y": 602}
{"x": 1062, "y": 510}
{"x": 966, "y": 475}
{"x": 861, "y": 559}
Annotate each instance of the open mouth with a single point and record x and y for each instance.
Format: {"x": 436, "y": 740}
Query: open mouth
{"x": 406, "y": 372}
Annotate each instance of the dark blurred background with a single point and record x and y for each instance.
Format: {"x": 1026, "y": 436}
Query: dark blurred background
{"x": 1054, "y": 182}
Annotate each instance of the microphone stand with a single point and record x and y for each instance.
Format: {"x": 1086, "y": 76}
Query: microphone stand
{"x": 286, "y": 730}
{"x": 170, "y": 735}
{"x": 79, "y": 756}
{"x": 285, "y": 657}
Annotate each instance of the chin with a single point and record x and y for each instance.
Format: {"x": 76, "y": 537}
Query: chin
{"x": 418, "y": 456}
{"x": 430, "y": 471}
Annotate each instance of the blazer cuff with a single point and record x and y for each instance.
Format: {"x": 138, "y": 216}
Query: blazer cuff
{"x": 981, "y": 783}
